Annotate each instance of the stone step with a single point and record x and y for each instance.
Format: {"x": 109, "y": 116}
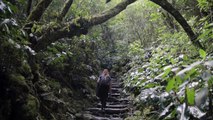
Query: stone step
{"x": 116, "y": 86}
{"x": 115, "y": 92}
{"x": 88, "y": 116}
{"x": 121, "y": 100}
{"x": 112, "y": 99}
{"x": 116, "y": 89}
{"x": 117, "y": 105}
{"x": 114, "y": 106}
{"x": 115, "y": 95}
{"x": 106, "y": 118}
{"x": 109, "y": 110}
{"x": 119, "y": 94}
{"x": 102, "y": 114}
{"x": 119, "y": 91}
{"x": 116, "y": 83}
{"x": 115, "y": 80}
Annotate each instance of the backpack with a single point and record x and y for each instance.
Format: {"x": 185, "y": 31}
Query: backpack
{"x": 102, "y": 85}
{"x": 104, "y": 81}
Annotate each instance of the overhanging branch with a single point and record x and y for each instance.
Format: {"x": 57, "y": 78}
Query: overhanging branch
{"x": 106, "y": 15}
{"x": 78, "y": 26}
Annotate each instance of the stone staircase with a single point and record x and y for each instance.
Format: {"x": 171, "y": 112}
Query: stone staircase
{"x": 117, "y": 108}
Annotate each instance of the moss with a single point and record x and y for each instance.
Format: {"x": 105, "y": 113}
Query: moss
{"x": 35, "y": 67}
{"x": 55, "y": 85}
{"x": 19, "y": 81}
{"x": 25, "y": 70}
{"x": 31, "y": 107}
{"x": 76, "y": 22}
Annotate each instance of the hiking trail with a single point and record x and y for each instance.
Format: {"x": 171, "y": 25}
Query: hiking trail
{"x": 118, "y": 106}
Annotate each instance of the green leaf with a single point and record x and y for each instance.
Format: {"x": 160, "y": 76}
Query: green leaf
{"x": 151, "y": 85}
{"x": 190, "y": 73}
{"x": 170, "y": 85}
{"x": 189, "y": 68}
{"x": 202, "y": 53}
{"x": 210, "y": 82}
{"x": 190, "y": 96}
{"x": 172, "y": 61}
{"x": 140, "y": 70}
{"x": 21, "y": 1}
{"x": 135, "y": 79}
{"x": 178, "y": 82}
{"x": 166, "y": 72}
{"x": 185, "y": 58}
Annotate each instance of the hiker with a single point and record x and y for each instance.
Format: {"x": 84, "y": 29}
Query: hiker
{"x": 103, "y": 87}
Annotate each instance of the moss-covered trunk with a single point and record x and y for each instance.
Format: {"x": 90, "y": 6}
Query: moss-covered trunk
{"x": 36, "y": 13}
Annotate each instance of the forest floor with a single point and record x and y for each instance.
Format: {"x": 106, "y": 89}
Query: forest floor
{"x": 118, "y": 106}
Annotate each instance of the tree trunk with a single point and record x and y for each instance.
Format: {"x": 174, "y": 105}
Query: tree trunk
{"x": 36, "y": 14}
{"x": 29, "y": 4}
{"x": 180, "y": 19}
{"x": 65, "y": 9}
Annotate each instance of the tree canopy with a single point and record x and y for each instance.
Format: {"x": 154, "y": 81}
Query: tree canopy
{"x": 52, "y": 51}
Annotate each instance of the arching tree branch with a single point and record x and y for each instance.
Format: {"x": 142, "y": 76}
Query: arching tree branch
{"x": 180, "y": 19}
{"x": 36, "y": 13}
{"x": 65, "y": 9}
{"x": 106, "y": 15}
{"x": 78, "y": 26}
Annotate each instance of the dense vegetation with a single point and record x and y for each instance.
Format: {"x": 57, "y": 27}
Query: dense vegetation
{"x": 51, "y": 52}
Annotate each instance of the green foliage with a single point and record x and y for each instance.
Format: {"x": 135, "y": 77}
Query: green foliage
{"x": 169, "y": 70}
{"x": 13, "y": 41}
{"x": 31, "y": 107}
{"x": 18, "y": 80}
{"x": 205, "y": 4}
{"x": 190, "y": 96}
{"x": 206, "y": 33}
{"x": 136, "y": 116}
{"x": 173, "y": 64}
{"x": 202, "y": 53}
{"x": 135, "y": 48}
{"x": 85, "y": 8}
{"x": 171, "y": 85}
{"x": 149, "y": 47}
{"x": 166, "y": 72}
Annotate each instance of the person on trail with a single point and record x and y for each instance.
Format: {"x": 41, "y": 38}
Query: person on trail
{"x": 103, "y": 87}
